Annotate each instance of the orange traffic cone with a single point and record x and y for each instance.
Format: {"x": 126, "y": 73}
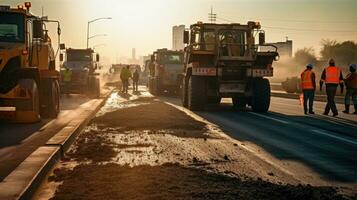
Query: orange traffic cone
{"x": 301, "y": 99}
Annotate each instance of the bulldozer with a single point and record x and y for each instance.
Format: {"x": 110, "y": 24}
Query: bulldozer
{"x": 223, "y": 61}
{"x": 29, "y": 81}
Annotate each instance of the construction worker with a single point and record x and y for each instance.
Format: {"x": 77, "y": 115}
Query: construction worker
{"x": 351, "y": 92}
{"x": 332, "y": 77}
{"x": 308, "y": 85}
{"x": 135, "y": 80}
{"x": 67, "y": 78}
{"x": 125, "y": 74}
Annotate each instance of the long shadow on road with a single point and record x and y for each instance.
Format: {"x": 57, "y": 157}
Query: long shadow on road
{"x": 325, "y": 146}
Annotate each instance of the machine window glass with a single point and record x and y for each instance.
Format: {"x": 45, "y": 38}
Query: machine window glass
{"x": 197, "y": 38}
{"x": 79, "y": 56}
{"x": 233, "y": 43}
{"x": 12, "y": 27}
{"x": 209, "y": 38}
{"x": 172, "y": 58}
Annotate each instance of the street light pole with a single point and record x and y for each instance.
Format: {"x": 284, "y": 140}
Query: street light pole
{"x": 89, "y": 22}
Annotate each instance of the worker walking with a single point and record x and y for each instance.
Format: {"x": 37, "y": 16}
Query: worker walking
{"x": 332, "y": 77}
{"x": 351, "y": 92}
{"x": 125, "y": 74}
{"x": 67, "y": 78}
{"x": 308, "y": 85}
{"x": 136, "y": 77}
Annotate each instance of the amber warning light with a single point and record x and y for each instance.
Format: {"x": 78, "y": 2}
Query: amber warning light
{"x": 28, "y": 5}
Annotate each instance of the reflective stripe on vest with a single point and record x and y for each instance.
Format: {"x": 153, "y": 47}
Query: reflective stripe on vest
{"x": 306, "y": 80}
{"x": 332, "y": 75}
{"x": 67, "y": 75}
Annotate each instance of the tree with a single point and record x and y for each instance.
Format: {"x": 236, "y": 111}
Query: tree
{"x": 305, "y": 56}
{"x": 344, "y": 53}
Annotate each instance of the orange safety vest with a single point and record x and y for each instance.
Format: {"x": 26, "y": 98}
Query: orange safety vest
{"x": 351, "y": 80}
{"x": 306, "y": 80}
{"x": 332, "y": 75}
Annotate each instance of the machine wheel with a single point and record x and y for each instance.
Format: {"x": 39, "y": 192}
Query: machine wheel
{"x": 155, "y": 87}
{"x": 184, "y": 93}
{"x": 93, "y": 90}
{"x": 261, "y": 95}
{"x": 97, "y": 88}
{"x": 196, "y": 93}
{"x": 239, "y": 102}
{"x": 50, "y": 98}
{"x": 29, "y": 109}
{"x": 214, "y": 100}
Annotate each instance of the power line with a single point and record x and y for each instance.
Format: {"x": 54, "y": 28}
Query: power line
{"x": 312, "y": 30}
{"x": 212, "y": 16}
{"x": 303, "y": 21}
{"x": 297, "y": 29}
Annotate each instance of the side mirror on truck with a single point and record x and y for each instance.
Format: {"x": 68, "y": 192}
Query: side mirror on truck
{"x": 97, "y": 57}
{"x": 61, "y": 57}
{"x": 62, "y": 46}
{"x": 261, "y": 38}
{"x": 186, "y": 36}
{"x": 38, "y": 29}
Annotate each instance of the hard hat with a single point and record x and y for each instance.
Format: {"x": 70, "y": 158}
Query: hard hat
{"x": 331, "y": 61}
{"x": 310, "y": 65}
{"x": 353, "y": 67}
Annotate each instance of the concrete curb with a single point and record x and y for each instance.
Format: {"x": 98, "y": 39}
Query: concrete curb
{"x": 322, "y": 98}
{"x": 23, "y": 182}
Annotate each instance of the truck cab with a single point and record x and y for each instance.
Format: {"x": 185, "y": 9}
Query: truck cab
{"x": 223, "y": 60}
{"x": 83, "y": 64}
{"x": 29, "y": 86}
{"x": 165, "y": 68}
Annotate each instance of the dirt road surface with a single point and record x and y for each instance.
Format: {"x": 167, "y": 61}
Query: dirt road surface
{"x": 139, "y": 147}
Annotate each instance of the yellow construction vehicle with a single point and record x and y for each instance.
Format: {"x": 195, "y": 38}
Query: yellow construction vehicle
{"x": 29, "y": 86}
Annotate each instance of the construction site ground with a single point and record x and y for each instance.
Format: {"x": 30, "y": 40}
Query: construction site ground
{"x": 144, "y": 147}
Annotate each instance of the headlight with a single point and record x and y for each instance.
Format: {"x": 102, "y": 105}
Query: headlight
{"x": 277, "y": 57}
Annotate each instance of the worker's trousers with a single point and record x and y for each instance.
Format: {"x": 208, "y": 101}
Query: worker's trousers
{"x": 135, "y": 85}
{"x": 309, "y": 96}
{"x": 331, "y": 93}
{"x": 125, "y": 85}
{"x": 351, "y": 93}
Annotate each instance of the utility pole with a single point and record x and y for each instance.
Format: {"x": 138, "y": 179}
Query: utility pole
{"x": 212, "y": 16}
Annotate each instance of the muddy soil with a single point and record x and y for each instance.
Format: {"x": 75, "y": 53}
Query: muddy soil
{"x": 173, "y": 181}
{"x": 151, "y": 150}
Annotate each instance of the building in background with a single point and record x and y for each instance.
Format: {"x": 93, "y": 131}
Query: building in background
{"x": 177, "y": 37}
{"x": 285, "y": 49}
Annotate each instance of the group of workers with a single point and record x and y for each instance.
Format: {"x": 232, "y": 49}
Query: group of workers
{"x": 125, "y": 75}
{"x": 332, "y": 78}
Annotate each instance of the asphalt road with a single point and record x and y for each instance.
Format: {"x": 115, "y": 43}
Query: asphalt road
{"x": 18, "y": 141}
{"x": 308, "y": 146}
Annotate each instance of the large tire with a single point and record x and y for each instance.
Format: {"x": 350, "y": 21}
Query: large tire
{"x": 184, "y": 99}
{"x": 97, "y": 88}
{"x": 50, "y": 98}
{"x": 32, "y": 104}
{"x": 214, "y": 100}
{"x": 261, "y": 95}
{"x": 196, "y": 93}
{"x": 155, "y": 87}
{"x": 239, "y": 102}
{"x": 93, "y": 87}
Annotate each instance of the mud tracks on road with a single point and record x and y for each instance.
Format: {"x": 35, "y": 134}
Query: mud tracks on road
{"x": 148, "y": 149}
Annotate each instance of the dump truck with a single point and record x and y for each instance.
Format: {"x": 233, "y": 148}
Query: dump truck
{"x": 84, "y": 80}
{"x": 29, "y": 87}
{"x": 165, "y": 70}
{"x": 223, "y": 61}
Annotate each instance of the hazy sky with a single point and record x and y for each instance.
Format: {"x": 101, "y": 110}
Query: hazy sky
{"x": 147, "y": 24}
